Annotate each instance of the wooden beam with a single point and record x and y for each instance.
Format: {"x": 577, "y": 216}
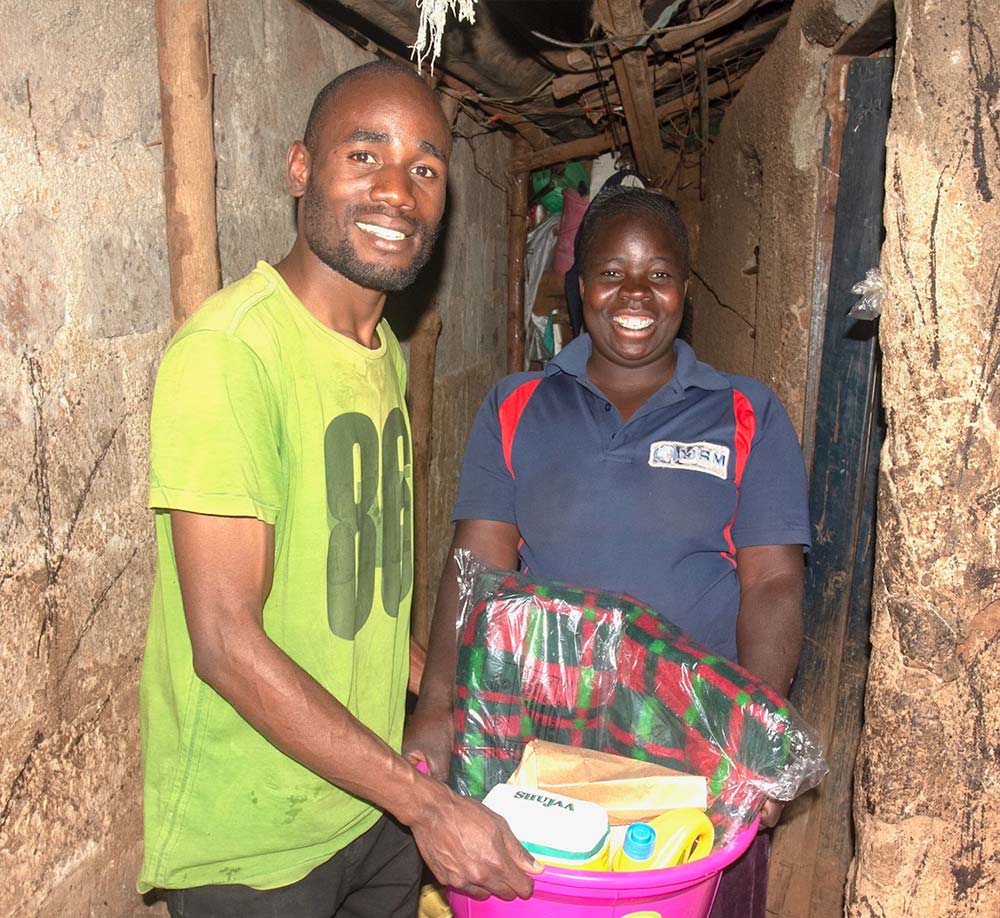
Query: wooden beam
{"x": 593, "y": 146}
{"x": 517, "y": 243}
{"x": 703, "y": 107}
{"x": 671, "y": 39}
{"x": 716, "y": 54}
{"x": 420, "y": 396}
{"x": 536, "y": 138}
{"x": 584, "y": 148}
{"x": 182, "y": 45}
{"x": 635, "y": 85}
{"x": 572, "y": 83}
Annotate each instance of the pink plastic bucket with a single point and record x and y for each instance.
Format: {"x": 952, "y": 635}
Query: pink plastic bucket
{"x": 687, "y": 891}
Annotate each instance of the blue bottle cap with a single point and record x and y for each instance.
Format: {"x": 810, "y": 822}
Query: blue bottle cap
{"x": 640, "y": 839}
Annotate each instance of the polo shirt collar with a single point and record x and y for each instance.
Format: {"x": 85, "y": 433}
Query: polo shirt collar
{"x": 691, "y": 373}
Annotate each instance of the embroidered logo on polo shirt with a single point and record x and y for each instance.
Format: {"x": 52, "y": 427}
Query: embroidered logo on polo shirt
{"x": 698, "y": 457}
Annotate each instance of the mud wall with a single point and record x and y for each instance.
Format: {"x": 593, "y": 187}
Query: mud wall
{"x": 84, "y": 307}
{"x": 755, "y": 277}
{"x": 927, "y": 798}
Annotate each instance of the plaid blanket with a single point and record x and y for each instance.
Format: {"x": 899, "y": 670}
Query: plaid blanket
{"x": 601, "y": 670}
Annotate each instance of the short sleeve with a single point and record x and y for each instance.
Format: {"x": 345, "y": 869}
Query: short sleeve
{"x": 486, "y": 485}
{"x": 214, "y": 431}
{"x": 773, "y": 506}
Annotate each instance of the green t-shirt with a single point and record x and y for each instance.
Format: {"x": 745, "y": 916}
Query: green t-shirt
{"x": 262, "y": 411}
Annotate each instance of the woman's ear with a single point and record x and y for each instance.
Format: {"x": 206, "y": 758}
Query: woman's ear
{"x": 579, "y": 280}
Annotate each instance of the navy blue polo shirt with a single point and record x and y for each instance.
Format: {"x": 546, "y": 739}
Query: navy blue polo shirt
{"x": 656, "y": 506}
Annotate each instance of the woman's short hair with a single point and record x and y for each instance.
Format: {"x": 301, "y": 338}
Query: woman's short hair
{"x": 614, "y": 202}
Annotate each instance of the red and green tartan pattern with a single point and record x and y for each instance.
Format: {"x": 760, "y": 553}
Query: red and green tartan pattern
{"x": 602, "y": 671}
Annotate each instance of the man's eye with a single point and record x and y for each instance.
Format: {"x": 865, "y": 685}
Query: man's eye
{"x": 425, "y": 171}
{"x": 362, "y": 156}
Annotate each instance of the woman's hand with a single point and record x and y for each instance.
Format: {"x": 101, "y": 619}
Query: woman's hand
{"x": 428, "y": 735}
{"x": 770, "y": 813}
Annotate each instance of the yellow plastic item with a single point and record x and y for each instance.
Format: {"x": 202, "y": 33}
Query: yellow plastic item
{"x": 682, "y": 836}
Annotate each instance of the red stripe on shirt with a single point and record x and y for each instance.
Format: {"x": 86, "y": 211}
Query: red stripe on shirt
{"x": 509, "y": 416}
{"x": 746, "y": 427}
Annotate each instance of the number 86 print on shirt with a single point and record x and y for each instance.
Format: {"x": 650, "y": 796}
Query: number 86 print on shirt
{"x": 363, "y": 535}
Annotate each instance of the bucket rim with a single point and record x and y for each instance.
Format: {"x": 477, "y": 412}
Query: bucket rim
{"x": 650, "y": 880}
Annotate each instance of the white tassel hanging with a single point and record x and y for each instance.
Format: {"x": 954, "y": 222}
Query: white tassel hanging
{"x": 431, "y": 28}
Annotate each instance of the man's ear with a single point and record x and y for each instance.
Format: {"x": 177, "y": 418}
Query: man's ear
{"x": 297, "y": 166}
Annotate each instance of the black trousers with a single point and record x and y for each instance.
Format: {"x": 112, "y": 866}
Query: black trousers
{"x": 376, "y": 876}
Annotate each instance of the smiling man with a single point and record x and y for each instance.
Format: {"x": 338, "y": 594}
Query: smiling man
{"x": 275, "y": 672}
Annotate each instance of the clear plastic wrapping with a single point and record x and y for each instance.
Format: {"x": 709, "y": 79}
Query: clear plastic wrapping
{"x": 601, "y": 670}
{"x": 872, "y": 293}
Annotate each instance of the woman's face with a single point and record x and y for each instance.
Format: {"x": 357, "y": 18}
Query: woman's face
{"x": 633, "y": 285}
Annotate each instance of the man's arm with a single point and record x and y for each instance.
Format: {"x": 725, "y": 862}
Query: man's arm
{"x": 225, "y": 565}
{"x": 769, "y": 624}
{"x": 430, "y": 729}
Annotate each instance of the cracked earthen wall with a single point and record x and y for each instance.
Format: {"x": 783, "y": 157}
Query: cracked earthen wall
{"x": 754, "y": 273}
{"x": 84, "y": 315}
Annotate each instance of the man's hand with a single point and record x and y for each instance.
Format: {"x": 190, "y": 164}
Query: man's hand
{"x": 471, "y": 848}
{"x": 429, "y": 733}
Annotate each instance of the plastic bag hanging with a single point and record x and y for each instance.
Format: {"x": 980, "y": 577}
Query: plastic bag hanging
{"x": 872, "y": 292}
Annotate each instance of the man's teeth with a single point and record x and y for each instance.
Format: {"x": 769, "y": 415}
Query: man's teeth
{"x": 633, "y": 323}
{"x": 380, "y": 231}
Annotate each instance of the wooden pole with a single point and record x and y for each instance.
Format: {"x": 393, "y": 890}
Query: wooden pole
{"x": 423, "y": 350}
{"x": 635, "y": 86}
{"x": 182, "y": 41}
{"x": 517, "y": 242}
{"x": 703, "y": 108}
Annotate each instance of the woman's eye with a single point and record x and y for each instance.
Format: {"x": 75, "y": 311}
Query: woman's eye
{"x": 610, "y": 274}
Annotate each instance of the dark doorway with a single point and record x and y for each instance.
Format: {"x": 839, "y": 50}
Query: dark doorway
{"x": 813, "y": 850}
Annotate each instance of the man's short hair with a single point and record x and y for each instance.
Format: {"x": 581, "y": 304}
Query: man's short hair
{"x": 613, "y": 202}
{"x": 328, "y": 94}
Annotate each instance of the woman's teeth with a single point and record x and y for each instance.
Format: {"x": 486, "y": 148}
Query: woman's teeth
{"x": 380, "y": 231}
{"x": 633, "y": 323}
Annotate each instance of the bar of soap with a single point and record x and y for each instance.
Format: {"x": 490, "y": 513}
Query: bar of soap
{"x": 555, "y": 829}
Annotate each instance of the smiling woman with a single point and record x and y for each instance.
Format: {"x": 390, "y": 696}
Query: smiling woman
{"x": 628, "y": 465}
{"x": 633, "y": 283}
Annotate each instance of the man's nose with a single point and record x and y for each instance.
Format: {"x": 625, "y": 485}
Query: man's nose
{"x": 393, "y": 186}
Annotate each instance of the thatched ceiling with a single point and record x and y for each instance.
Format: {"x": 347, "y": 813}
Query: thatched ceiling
{"x": 596, "y": 74}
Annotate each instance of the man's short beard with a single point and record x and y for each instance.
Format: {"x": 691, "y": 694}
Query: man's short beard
{"x": 342, "y": 257}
